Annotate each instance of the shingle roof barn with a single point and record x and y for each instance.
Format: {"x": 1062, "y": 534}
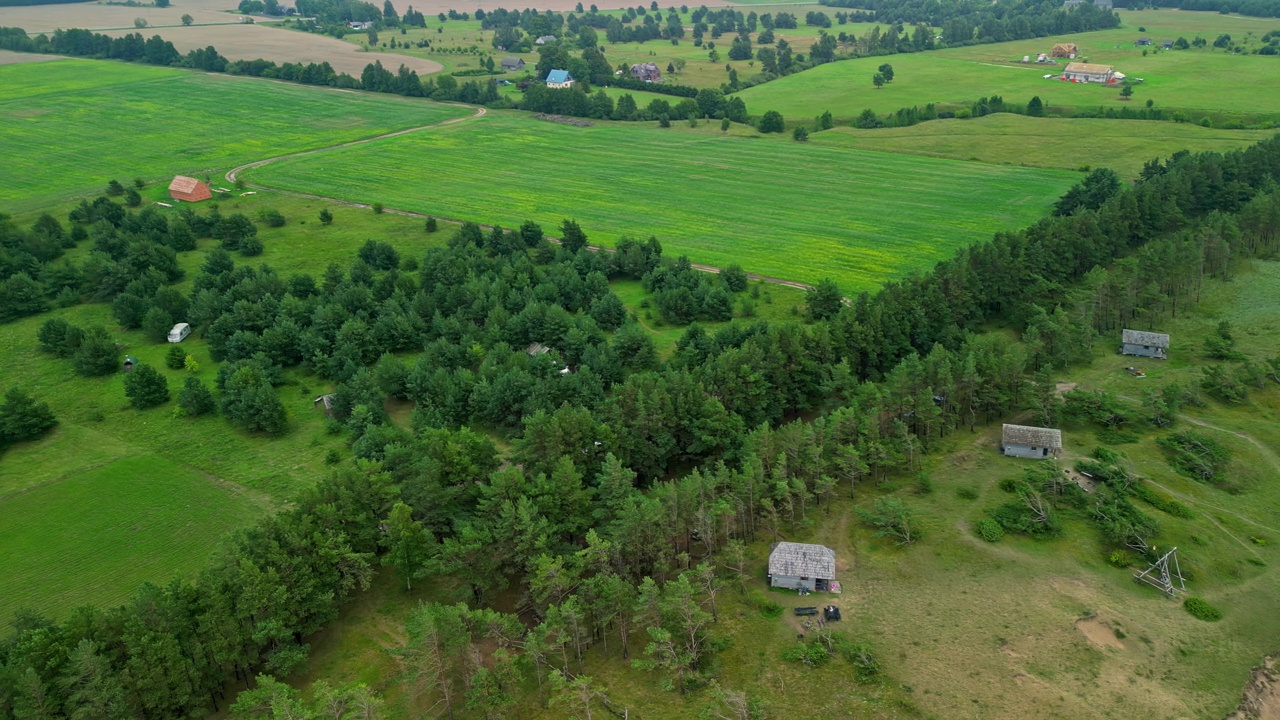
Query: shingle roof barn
{"x": 802, "y": 560}
{"x": 1033, "y": 436}
{"x": 189, "y": 189}
{"x": 512, "y": 63}
{"x": 1140, "y": 337}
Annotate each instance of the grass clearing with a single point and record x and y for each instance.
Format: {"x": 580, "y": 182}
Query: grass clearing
{"x": 72, "y": 125}
{"x": 93, "y": 537}
{"x": 1007, "y": 139}
{"x": 858, "y": 217}
{"x": 1202, "y": 82}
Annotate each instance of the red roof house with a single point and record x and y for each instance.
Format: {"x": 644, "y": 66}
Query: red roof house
{"x": 189, "y": 189}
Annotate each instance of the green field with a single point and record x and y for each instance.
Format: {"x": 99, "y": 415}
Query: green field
{"x": 72, "y": 125}
{"x": 93, "y": 537}
{"x": 778, "y": 208}
{"x": 1204, "y": 81}
{"x": 1007, "y": 139}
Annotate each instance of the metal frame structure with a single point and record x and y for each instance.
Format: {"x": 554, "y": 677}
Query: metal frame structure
{"x": 1161, "y": 577}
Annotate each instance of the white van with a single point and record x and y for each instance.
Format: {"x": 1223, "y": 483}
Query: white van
{"x": 179, "y": 332}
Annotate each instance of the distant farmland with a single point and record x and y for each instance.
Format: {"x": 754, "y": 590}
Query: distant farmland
{"x": 776, "y": 207}
{"x": 72, "y": 125}
{"x": 1203, "y": 80}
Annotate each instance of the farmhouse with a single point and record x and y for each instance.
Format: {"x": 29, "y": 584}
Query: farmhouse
{"x": 357, "y": 25}
{"x": 1144, "y": 344}
{"x": 1030, "y": 442}
{"x": 543, "y": 40}
{"x": 1088, "y": 73}
{"x": 512, "y": 64}
{"x": 189, "y": 189}
{"x": 647, "y": 72}
{"x": 559, "y": 79}
{"x": 800, "y": 565}
{"x": 1064, "y": 50}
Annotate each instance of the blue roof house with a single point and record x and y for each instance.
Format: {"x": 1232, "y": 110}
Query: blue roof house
{"x": 559, "y": 79}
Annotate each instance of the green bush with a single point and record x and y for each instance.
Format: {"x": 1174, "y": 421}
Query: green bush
{"x": 988, "y": 530}
{"x": 967, "y": 493}
{"x": 768, "y": 608}
{"x": 1120, "y": 558}
{"x": 176, "y": 358}
{"x": 812, "y": 655}
{"x": 1202, "y": 610}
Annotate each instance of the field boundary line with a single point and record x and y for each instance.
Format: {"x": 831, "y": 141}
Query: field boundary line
{"x": 233, "y": 174}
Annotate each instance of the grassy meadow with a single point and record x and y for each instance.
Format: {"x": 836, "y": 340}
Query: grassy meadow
{"x": 778, "y": 208}
{"x": 1200, "y": 82}
{"x": 1008, "y": 139}
{"x": 72, "y": 125}
{"x": 964, "y": 628}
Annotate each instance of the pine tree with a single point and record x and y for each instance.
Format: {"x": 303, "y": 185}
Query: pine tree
{"x": 146, "y": 387}
{"x": 194, "y": 398}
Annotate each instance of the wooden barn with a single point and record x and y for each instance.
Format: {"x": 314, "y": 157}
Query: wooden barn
{"x": 1144, "y": 344}
{"x": 188, "y": 189}
{"x": 1089, "y": 73}
{"x": 1030, "y": 442}
{"x": 1064, "y": 50}
{"x": 512, "y": 64}
{"x": 801, "y": 565}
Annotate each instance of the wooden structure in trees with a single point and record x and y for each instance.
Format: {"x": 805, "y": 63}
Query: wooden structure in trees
{"x": 801, "y": 566}
{"x": 188, "y": 189}
{"x": 1030, "y": 442}
{"x": 1144, "y": 344}
{"x": 1064, "y": 50}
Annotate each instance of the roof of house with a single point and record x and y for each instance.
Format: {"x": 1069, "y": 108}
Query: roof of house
{"x": 512, "y": 61}
{"x": 1088, "y": 68}
{"x": 183, "y": 184}
{"x": 1035, "y": 436}
{"x": 1141, "y": 337}
{"x": 537, "y": 349}
{"x": 558, "y": 76}
{"x": 1066, "y": 46}
{"x": 802, "y": 560}
{"x": 545, "y": 39}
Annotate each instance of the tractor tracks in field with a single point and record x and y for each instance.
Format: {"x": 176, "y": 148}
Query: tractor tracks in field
{"x": 233, "y": 174}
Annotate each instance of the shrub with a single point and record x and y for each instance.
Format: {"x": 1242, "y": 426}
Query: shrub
{"x": 860, "y": 654}
{"x": 251, "y": 247}
{"x": 767, "y": 607}
{"x": 22, "y": 417}
{"x": 194, "y": 398}
{"x": 967, "y": 493}
{"x": 333, "y": 457}
{"x": 1202, "y": 610}
{"x": 988, "y": 530}
{"x": 146, "y": 387}
{"x": 1195, "y": 455}
{"x": 326, "y": 217}
{"x": 176, "y": 358}
{"x": 1120, "y": 558}
{"x": 812, "y": 655}
{"x": 377, "y": 208}
{"x": 272, "y": 218}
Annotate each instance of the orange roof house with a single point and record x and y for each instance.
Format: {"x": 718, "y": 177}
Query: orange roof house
{"x": 189, "y": 189}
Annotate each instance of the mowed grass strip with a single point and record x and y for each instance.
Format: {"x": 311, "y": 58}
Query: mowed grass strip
{"x": 92, "y": 538}
{"x": 72, "y": 125}
{"x": 776, "y": 207}
{"x": 1122, "y": 145}
{"x": 1203, "y": 81}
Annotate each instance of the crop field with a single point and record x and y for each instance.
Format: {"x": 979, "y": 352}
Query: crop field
{"x": 1122, "y": 145}
{"x": 1203, "y": 81}
{"x": 858, "y": 217}
{"x": 72, "y": 125}
{"x": 94, "y": 536}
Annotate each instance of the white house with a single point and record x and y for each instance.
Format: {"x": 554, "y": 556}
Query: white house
{"x": 559, "y": 79}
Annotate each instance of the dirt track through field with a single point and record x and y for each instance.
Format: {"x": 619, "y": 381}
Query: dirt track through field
{"x": 233, "y": 173}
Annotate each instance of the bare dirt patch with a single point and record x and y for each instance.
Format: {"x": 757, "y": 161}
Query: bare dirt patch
{"x": 8, "y": 57}
{"x": 1099, "y": 632}
{"x": 1261, "y": 695}
{"x": 1065, "y": 387}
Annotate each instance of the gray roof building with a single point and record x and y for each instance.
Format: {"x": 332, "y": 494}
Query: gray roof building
{"x": 801, "y": 565}
{"x": 512, "y": 63}
{"x": 1030, "y": 442}
{"x": 1142, "y": 337}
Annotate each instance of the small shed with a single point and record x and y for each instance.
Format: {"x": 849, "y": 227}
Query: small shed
{"x": 1064, "y": 50}
{"x": 544, "y": 39}
{"x": 559, "y": 79}
{"x": 130, "y": 362}
{"x": 1030, "y": 442}
{"x": 801, "y": 566}
{"x": 188, "y": 189}
{"x": 512, "y": 64}
{"x": 536, "y": 349}
{"x": 647, "y": 72}
{"x": 1089, "y": 73}
{"x": 1144, "y": 344}
{"x": 1143, "y": 42}
{"x": 1167, "y": 45}
{"x": 325, "y": 401}
{"x": 179, "y": 332}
